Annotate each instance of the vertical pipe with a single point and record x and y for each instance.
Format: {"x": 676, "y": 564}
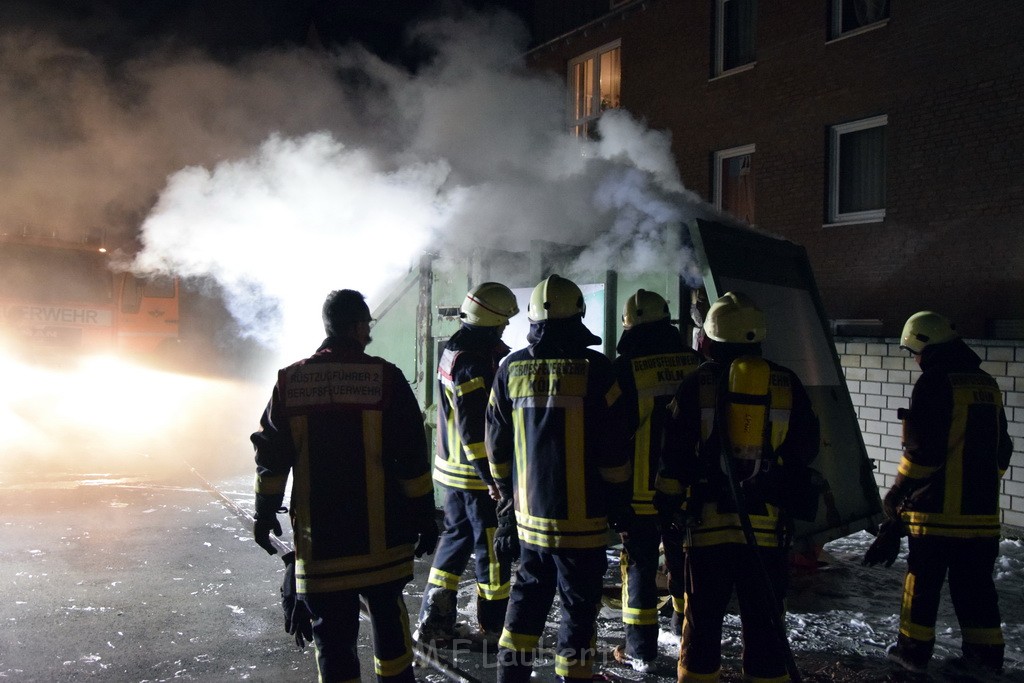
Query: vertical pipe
{"x": 611, "y": 312}
{"x": 425, "y": 330}
{"x": 685, "y": 324}
{"x": 536, "y": 261}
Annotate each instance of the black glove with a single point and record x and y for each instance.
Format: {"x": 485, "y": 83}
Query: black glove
{"x": 893, "y": 500}
{"x": 667, "y": 506}
{"x": 673, "y": 528}
{"x": 506, "y": 538}
{"x": 886, "y": 546}
{"x": 261, "y": 528}
{"x": 298, "y": 621}
{"x": 265, "y": 520}
{"x": 621, "y": 520}
{"x": 428, "y": 535}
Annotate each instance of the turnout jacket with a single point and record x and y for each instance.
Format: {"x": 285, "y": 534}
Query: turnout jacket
{"x": 652, "y": 362}
{"x": 692, "y": 463}
{"x": 348, "y": 429}
{"x": 956, "y": 446}
{"x": 548, "y": 441}
{"x": 465, "y": 374}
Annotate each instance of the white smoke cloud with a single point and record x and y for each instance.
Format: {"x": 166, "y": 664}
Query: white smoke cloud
{"x": 295, "y": 172}
{"x": 298, "y": 218}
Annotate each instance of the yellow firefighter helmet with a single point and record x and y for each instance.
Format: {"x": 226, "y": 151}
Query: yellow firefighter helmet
{"x": 490, "y": 304}
{"x": 556, "y": 298}
{"x": 925, "y": 328}
{"x": 735, "y": 319}
{"x": 643, "y": 307}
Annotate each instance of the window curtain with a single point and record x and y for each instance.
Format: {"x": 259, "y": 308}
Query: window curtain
{"x": 862, "y": 170}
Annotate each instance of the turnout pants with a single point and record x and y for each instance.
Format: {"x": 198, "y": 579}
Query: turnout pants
{"x": 675, "y": 564}
{"x": 969, "y": 563}
{"x": 639, "y": 566}
{"x": 713, "y": 573}
{"x": 336, "y": 627}
{"x": 469, "y": 525}
{"x": 577, "y": 575}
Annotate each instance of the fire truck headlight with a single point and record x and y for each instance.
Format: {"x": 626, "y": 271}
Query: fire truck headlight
{"x": 108, "y": 413}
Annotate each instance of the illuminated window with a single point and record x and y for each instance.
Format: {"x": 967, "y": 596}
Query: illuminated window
{"x": 734, "y": 34}
{"x": 594, "y": 82}
{"x": 849, "y": 16}
{"x": 857, "y": 171}
{"x": 734, "y": 182}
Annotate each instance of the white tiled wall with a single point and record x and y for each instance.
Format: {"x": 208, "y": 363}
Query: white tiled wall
{"x": 881, "y": 377}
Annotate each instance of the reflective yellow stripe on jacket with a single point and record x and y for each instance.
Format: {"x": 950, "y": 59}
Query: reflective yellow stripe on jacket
{"x": 970, "y": 475}
{"x": 724, "y": 527}
{"x": 548, "y": 394}
{"x": 656, "y": 378}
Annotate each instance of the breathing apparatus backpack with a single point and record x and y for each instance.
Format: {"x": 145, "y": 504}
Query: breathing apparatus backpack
{"x": 754, "y": 422}
{"x": 745, "y": 429}
{"x": 735, "y": 421}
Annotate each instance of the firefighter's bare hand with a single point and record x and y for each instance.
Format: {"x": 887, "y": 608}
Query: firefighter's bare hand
{"x": 493, "y": 492}
{"x": 261, "y": 529}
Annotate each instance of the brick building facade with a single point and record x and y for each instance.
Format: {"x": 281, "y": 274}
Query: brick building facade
{"x": 786, "y": 113}
{"x": 945, "y": 78}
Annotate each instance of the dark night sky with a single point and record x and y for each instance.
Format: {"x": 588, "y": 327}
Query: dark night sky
{"x": 228, "y": 28}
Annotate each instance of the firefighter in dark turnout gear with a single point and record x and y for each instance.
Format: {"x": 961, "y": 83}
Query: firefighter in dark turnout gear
{"x": 465, "y": 374}
{"x": 347, "y": 428}
{"x": 548, "y": 447}
{"x": 946, "y": 493}
{"x": 740, "y": 406}
{"x": 652, "y": 361}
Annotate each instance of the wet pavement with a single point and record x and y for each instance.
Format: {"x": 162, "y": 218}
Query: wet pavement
{"x": 130, "y": 580}
{"x": 114, "y": 578}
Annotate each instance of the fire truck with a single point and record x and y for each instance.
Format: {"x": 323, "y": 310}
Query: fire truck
{"x": 62, "y": 299}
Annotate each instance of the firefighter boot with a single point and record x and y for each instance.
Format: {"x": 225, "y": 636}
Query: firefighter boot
{"x": 677, "y": 623}
{"x": 912, "y": 655}
{"x": 514, "y": 666}
{"x": 638, "y": 664}
{"x": 987, "y": 658}
{"x": 436, "y": 623}
{"x": 490, "y": 616}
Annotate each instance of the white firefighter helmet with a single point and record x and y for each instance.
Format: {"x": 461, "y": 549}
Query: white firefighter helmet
{"x": 925, "y": 328}
{"x": 643, "y": 307}
{"x": 735, "y": 319}
{"x": 556, "y": 298}
{"x": 489, "y": 304}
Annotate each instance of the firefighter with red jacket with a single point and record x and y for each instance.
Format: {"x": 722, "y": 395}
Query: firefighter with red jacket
{"x": 652, "y": 361}
{"x": 736, "y": 425}
{"x": 946, "y": 493}
{"x": 561, "y": 484}
{"x": 348, "y": 430}
{"x": 465, "y": 374}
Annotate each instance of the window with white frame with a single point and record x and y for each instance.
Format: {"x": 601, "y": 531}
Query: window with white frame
{"x": 734, "y": 182}
{"x": 594, "y": 84}
{"x": 857, "y": 171}
{"x": 849, "y": 16}
{"x": 734, "y": 34}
